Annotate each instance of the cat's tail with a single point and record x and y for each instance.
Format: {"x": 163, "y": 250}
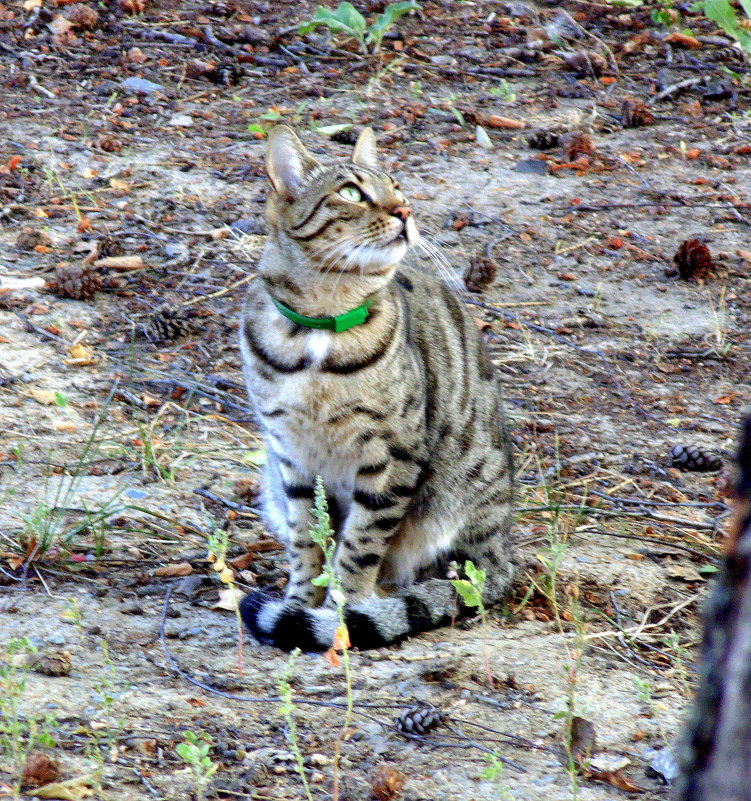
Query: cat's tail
{"x": 371, "y": 623}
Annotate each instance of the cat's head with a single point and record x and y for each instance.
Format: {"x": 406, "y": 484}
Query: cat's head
{"x": 344, "y": 218}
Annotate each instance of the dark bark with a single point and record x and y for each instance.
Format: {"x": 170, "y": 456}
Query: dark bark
{"x": 716, "y": 753}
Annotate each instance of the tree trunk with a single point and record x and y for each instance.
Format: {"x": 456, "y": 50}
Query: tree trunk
{"x": 716, "y": 753}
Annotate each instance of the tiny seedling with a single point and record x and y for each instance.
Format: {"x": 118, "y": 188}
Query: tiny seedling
{"x": 218, "y": 546}
{"x": 287, "y": 709}
{"x": 504, "y": 91}
{"x": 194, "y": 752}
{"x": 21, "y": 730}
{"x": 494, "y": 773}
{"x": 323, "y": 535}
{"x": 470, "y": 590}
{"x": 348, "y": 20}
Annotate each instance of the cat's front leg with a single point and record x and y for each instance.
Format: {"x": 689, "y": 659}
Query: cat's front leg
{"x": 289, "y": 498}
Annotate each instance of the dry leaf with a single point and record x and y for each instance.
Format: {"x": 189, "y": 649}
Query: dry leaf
{"x": 496, "y": 121}
{"x": 54, "y": 664}
{"x": 44, "y": 396}
{"x": 615, "y": 779}
{"x": 119, "y": 185}
{"x": 71, "y": 790}
{"x": 39, "y": 769}
{"x": 122, "y": 263}
{"x": 386, "y": 784}
{"x": 229, "y": 599}
{"x": 332, "y": 657}
{"x": 170, "y": 571}
{"x": 60, "y": 25}
{"x": 80, "y": 355}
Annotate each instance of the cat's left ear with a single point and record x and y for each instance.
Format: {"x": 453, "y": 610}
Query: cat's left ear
{"x": 365, "y": 150}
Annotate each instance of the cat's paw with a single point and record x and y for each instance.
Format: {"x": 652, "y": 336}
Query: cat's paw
{"x": 272, "y": 621}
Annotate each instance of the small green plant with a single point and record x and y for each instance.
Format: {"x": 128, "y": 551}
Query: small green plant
{"x": 287, "y": 709}
{"x": 735, "y": 22}
{"x": 218, "y": 547}
{"x": 106, "y": 728}
{"x": 194, "y": 752}
{"x": 665, "y": 14}
{"x": 323, "y": 535}
{"x": 504, "y": 91}
{"x": 20, "y": 730}
{"x": 348, "y": 20}
{"x": 494, "y": 773}
{"x": 470, "y": 590}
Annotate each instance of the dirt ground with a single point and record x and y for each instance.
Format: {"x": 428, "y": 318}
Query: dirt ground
{"x": 127, "y": 439}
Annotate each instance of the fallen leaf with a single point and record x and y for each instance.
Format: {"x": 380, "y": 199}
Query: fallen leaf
{"x": 583, "y": 739}
{"x": 332, "y": 657}
{"x": 39, "y": 769}
{"x": 71, "y": 790}
{"x": 44, "y": 396}
{"x": 122, "y": 263}
{"x": 60, "y": 25}
{"x": 170, "y": 571}
{"x": 683, "y": 40}
{"x": 615, "y": 779}
{"x": 229, "y": 599}
{"x": 386, "y": 784}
{"x": 80, "y": 355}
{"x": 496, "y": 121}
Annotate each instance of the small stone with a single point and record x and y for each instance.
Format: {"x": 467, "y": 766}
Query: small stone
{"x": 135, "y": 84}
{"x": 181, "y": 121}
{"x": 533, "y": 167}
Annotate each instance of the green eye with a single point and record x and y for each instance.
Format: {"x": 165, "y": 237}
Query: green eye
{"x": 351, "y": 193}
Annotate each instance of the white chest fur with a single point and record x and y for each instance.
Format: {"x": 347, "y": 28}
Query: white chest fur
{"x": 318, "y": 345}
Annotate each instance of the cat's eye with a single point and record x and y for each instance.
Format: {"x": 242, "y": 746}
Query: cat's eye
{"x": 351, "y": 193}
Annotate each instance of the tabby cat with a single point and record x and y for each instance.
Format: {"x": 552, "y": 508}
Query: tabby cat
{"x": 372, "y": 376}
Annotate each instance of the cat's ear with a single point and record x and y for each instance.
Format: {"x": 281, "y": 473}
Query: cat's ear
{"x": 288, "y": 163}
{"x": 365, "y": 154}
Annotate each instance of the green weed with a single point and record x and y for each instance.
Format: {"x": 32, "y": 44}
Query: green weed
{"x": 348, "y": 20}
{"x": 21, "y": 730}
{"x": 194, "y": 752}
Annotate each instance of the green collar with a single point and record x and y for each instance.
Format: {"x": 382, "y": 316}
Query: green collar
{"x": 341, "y": 322}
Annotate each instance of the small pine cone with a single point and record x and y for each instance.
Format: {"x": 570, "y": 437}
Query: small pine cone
{"x": 75, "y": 281}
{"x": 694, "y": 260}
{"x": 110, "y": 247}
{"x": 689, "y": 457}
{"x": 543, "y": 139}
{"x": 82, "y": 16}
{"x": 419, "y": 719}
{"x": 577, "y": 143}
{"x": 29, "y": 239}
{"x": 480, "y": 272}
{"x": 169, "y": 322}
{"x": 586, "y": 63}
{"x": 636, "y": 113}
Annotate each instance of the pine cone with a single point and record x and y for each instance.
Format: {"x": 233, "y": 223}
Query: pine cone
{"x": 419, "y": 719}
{"x": 586, "y": 63}
{"x": 169, "y": 322}
{"x": 689, "y": 457}
{"x": 635, "y": 113}
{"x": 694, "y": 260}
{"x": 577, "y": 143}
{"x": 75, "y": 281}
{"x": 480, "y": 272}
{"x": 543, "y": 139}
{"x": 28, "y": 239}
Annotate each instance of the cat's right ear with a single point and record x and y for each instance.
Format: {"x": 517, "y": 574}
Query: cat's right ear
{"x": 288, "y": 163}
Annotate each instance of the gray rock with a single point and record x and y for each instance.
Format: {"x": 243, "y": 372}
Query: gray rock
{"x": 135, "y": 84}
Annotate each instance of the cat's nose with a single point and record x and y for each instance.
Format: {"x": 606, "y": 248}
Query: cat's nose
{"x": 402, "y": 212}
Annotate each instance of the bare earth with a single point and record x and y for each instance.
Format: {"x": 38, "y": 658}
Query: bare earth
{"x": 608, "y": 362}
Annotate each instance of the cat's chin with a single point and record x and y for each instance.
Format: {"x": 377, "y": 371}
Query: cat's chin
{"x": 373, "y": 259}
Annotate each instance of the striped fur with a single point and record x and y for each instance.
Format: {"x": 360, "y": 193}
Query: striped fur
{"x": 401, "y": 415}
